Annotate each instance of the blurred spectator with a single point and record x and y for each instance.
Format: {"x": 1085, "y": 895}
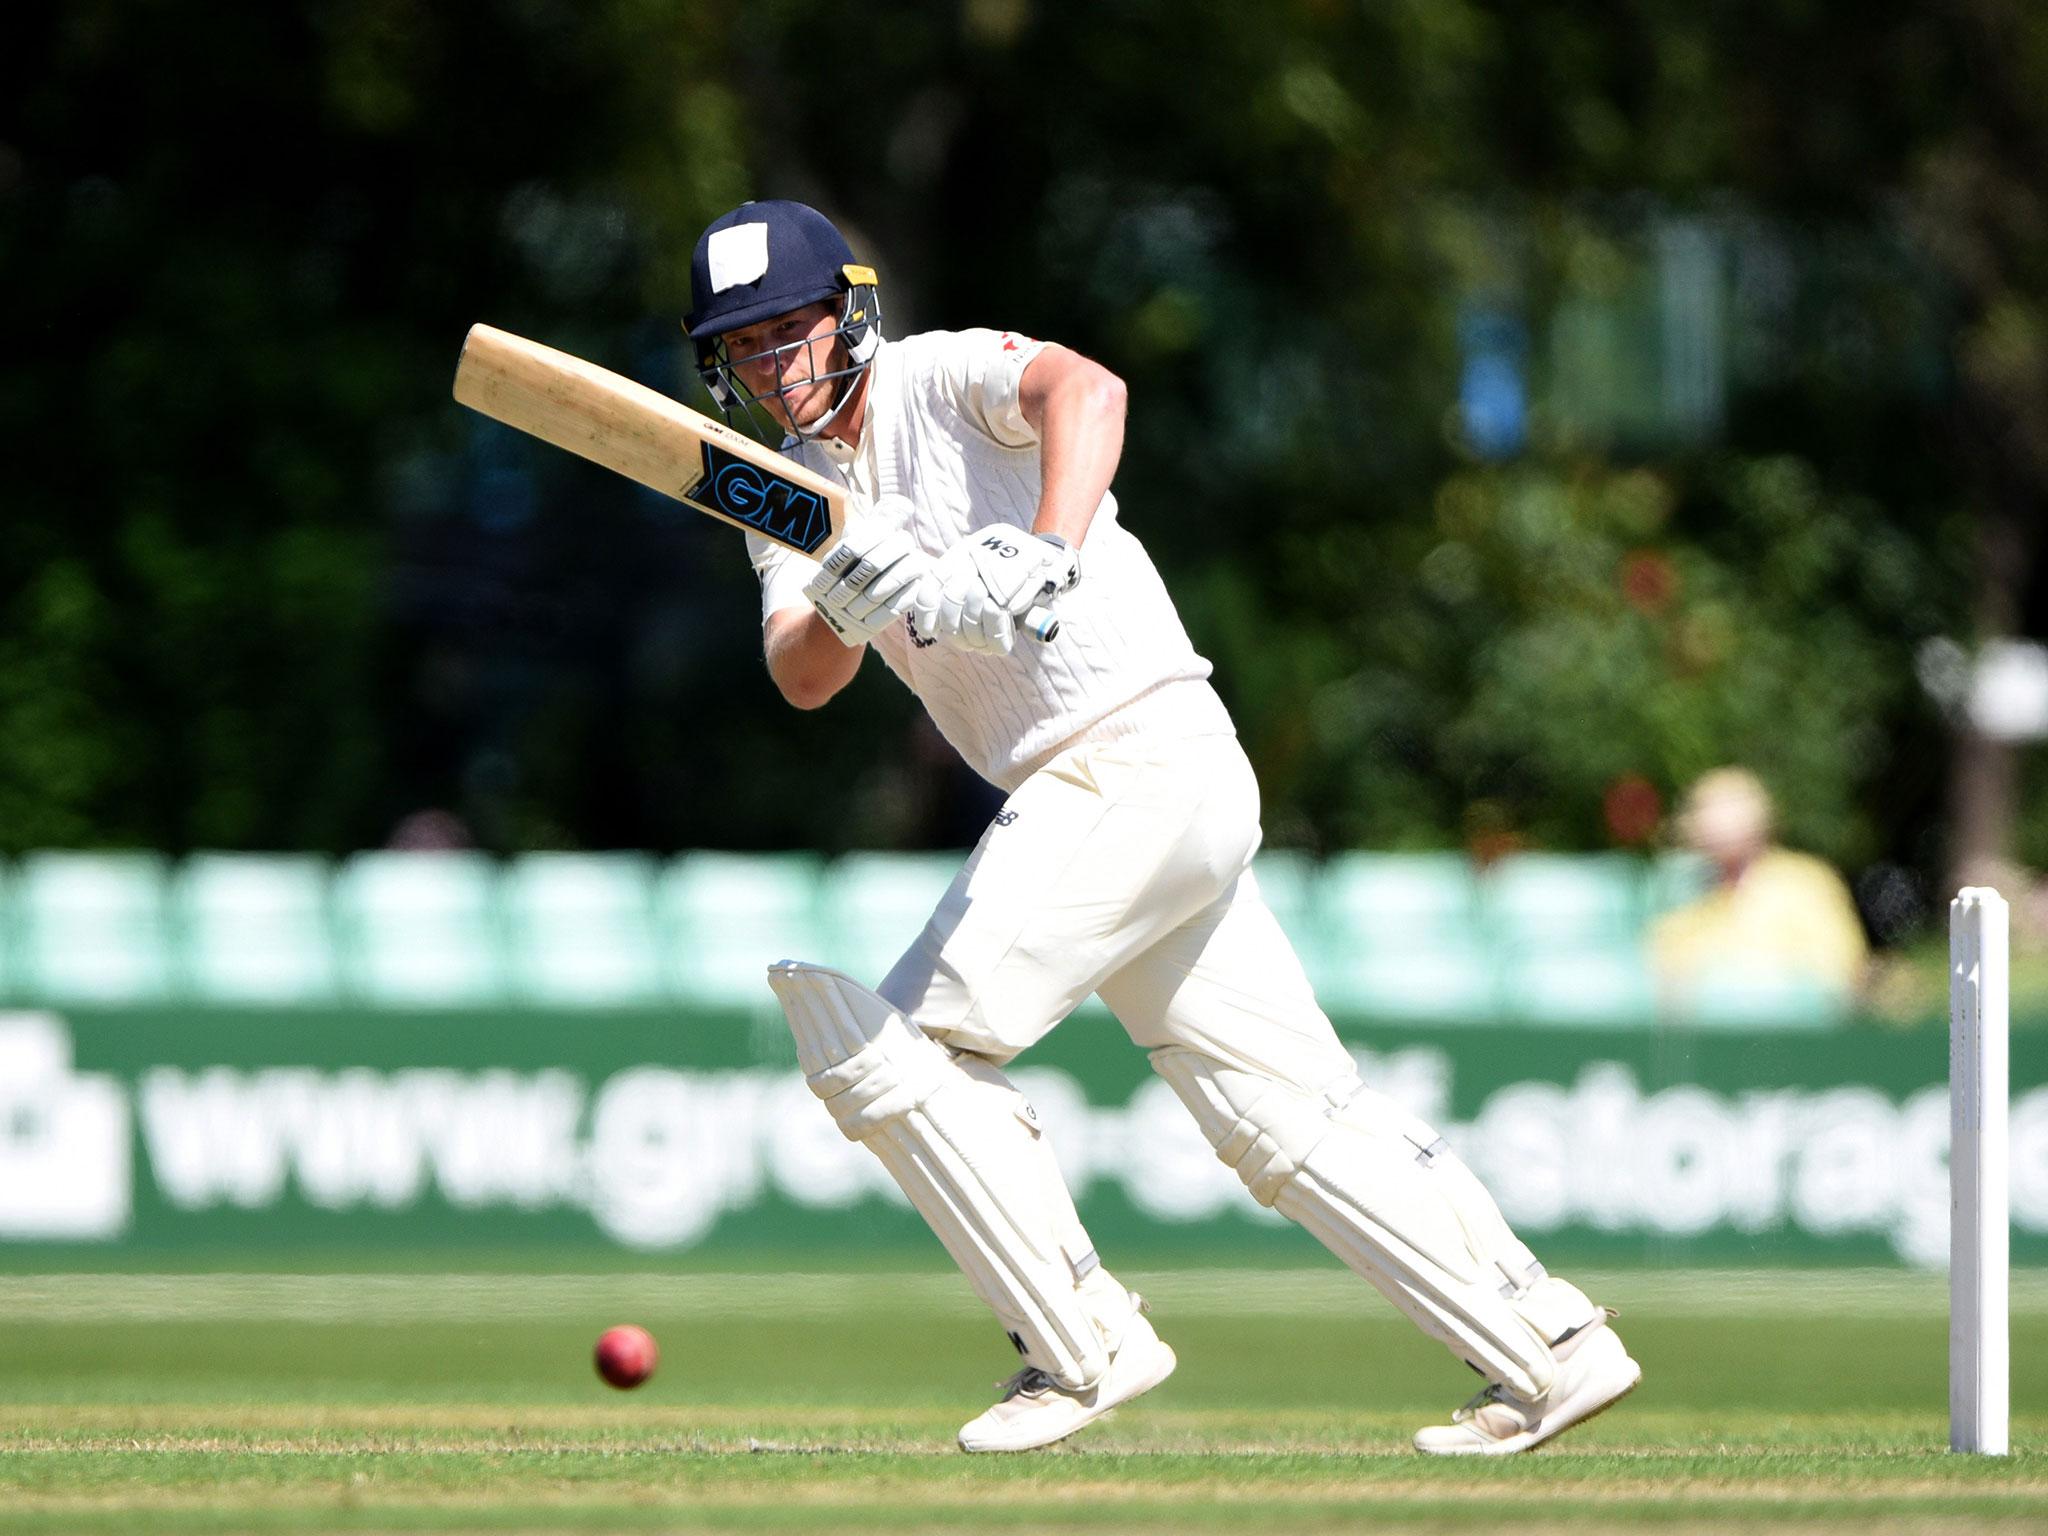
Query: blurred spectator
{"x": 430, "y": 831}
{"x": 1774, "y": 921}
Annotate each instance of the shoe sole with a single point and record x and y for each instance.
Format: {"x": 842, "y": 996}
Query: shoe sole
{"x": 1593, "y": 1412}
{"x": 1516, "y": 1444}
{"x": 1145, "y": 1384}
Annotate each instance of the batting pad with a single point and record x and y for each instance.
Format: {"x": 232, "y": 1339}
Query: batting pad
{"x": 964, "y": 1145}
{"x": 1383, "y": 1192}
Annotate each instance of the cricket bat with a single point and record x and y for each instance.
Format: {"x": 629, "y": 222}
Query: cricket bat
{"x": 644, "y": 435}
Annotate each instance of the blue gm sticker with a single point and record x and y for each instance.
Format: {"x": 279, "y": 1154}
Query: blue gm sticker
{"x": 773, "y": 505}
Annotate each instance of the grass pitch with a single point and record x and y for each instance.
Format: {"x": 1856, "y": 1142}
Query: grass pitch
{"x": 1809, "y": 1402}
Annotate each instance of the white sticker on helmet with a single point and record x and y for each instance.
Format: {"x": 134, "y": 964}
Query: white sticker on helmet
{"x": 738, "y": 254}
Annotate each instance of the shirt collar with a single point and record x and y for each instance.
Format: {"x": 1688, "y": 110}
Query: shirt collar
{"x": 845, "y": 453}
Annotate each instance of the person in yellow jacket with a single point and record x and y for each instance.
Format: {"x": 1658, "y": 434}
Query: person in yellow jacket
{"x": 1773, "y": 916}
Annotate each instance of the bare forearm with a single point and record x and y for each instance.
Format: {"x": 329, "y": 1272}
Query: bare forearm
{"x": 807, "y": 661}
{"x": 1082, "y": 434}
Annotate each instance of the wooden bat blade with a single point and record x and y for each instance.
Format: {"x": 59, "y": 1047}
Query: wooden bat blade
{"x": 644, "y": 435}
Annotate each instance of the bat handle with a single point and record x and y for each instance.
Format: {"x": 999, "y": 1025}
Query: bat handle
{"x": 1041, "y": 624}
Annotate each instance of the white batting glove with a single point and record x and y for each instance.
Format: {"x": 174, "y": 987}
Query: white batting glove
{"x": 982, "y": 585}
{"x": 868, "y": 581}
{"x": 952, "y": 607}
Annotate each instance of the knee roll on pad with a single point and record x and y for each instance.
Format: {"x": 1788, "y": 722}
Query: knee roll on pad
{"x": 1381, "y": 1190}
{"x": 883, "y": 1081}
{"x": 964, "y": 1146}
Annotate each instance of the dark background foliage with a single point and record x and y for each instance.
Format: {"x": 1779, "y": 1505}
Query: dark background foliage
{"x": 1533, "y": 406}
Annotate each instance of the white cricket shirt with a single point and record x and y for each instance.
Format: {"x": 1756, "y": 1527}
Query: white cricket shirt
{"x": 945, "y": 429}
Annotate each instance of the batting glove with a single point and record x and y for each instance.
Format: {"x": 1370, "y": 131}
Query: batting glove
{"x": 982, "y": 585}
{"x": 867, "y": 582}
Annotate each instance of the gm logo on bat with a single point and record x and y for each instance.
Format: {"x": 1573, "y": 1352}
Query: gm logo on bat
{"x": 774, "y": 507}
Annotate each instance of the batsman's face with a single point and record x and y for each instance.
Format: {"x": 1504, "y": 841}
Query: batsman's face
{"x": 780, "y": 361}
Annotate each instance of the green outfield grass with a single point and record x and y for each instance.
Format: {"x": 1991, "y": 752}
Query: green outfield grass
{"x": 1809, "y": 1401}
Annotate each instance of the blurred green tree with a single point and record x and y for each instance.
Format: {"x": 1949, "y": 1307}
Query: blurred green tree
{"x": 1772, "y": 281}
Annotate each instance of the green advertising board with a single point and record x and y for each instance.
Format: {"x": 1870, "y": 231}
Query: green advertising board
{"x": 150, "y": 1133}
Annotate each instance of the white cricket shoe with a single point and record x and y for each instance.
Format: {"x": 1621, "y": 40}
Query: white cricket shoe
{"x": 1594, "y": 1371}
{"x": 1035, "y": 1410}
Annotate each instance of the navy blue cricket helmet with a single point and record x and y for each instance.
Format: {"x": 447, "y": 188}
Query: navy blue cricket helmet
{"x": 765, "y": 259}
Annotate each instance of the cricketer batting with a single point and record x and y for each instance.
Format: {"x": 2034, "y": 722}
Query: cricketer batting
{"x": 978, "y": 465}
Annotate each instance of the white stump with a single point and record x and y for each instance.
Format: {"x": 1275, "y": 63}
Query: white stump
{"x": 1979, "y": 1361}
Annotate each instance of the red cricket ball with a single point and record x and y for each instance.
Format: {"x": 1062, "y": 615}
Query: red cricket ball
{"x": 626, "y": 1355}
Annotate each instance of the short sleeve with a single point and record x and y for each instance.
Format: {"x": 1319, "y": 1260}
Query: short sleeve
{"x": 783, "y": 572}
{"x": 982, "y": 372}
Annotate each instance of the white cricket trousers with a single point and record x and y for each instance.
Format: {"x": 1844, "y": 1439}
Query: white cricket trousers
{"x": 1122, "y": 868}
